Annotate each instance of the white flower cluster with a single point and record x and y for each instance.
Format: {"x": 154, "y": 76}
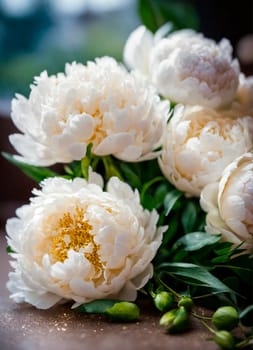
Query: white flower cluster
{"x": 212, "y": 124}
{"x": 77, "y": 242}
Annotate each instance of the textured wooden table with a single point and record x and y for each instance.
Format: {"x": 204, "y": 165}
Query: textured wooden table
{"x": 26, "y": 328}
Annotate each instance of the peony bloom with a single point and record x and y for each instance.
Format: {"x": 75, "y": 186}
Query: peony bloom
{"x": 185, "y": 66}
{"x": 138, "y": 48}
{"x": 229, "y": 203}
{"x": 244, "y": 96}
{"x": 75, "y": 241}
{"x": 195, "y": 70}
{"x": 180, "y": 39}
{"x": 200, "y": 143}
{"x": 101, "y": 103}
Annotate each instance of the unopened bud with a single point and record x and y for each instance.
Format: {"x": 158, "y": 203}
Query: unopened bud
{"x": 186, "y": 302}
{"x": 164, "y": 301}
{"x": 123, "y": 311}
{"x": 175, "y": 320}
{"x": 180, "y": 322}
{"x": 224, "y": 339}
{"x": 225, "y": 317}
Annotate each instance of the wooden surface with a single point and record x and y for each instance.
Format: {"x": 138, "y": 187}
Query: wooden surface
{"x": 23, "y": 327}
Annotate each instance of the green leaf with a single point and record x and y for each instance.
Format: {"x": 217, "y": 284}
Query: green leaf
{"x": 189, "y": 216}
{"x": 196, "y": 240}
{"x": 9, "y": 249}
{"x": 148, "y": 202}
{"x": 36, "y": 173}
{"x": 224, "y": 248}
{"x": 97, "y": 306}
{"x": 160, "y": 194}
{"x": 146, "y": 188}
{"x": 155, "y": 13}
{"x": 68, "y": 170}
{"x": 150, "y": 14}
{"x": 130, "y": 175}
{"x": 246, "y": 316}
{"x": 170, "y": 200}
{"x": 172, "y": 230}
{"x": 180, "y": 256}
{"x": 194, "y": 275}
{"x": 75, "y": 168}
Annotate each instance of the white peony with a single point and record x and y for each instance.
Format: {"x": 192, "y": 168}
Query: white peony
{"x": 195, "y": 70}
{"x": 180, "y": 39}
{"x": 100, "y": 103}
{"x": 243, "y": 100}
{"x": 75, "y": 241}
{"x": 185, "y": 66}
{"x": 137, "y": 50}
{"x": 229, "y": 203}
{"x": 200, "y": 143}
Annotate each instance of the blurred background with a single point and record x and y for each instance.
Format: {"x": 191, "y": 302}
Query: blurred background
{"x": 37, "y": 35}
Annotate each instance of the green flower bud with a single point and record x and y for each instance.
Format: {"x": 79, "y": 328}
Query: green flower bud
{"x": 225, "y": 317}
{"x": 176, "y": 320}
{"x": 224, "y": 339}
{"x": 180, "y": 322}
{"x": 164, "y": 301}
{"x": 123, "y": 311}
{"x": 186, "y": 302}
{"x": 167, "y": 319}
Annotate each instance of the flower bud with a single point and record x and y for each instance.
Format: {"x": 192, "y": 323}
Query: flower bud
{"x": 224, "y": 339}
{"x": 164, "y": 301}
{"x": 167, "y": 319}
{"x": 180, "y": 322}
{"x": 123, "y": 311}
{"x": 186, "y": 302}
{"x": 175, "y": 320}
{"x": 225, "y": 317}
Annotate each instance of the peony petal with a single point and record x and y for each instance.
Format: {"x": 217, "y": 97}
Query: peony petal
{"x": 113, "y": 144}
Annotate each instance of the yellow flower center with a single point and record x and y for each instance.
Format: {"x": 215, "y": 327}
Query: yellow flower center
{"x": 73, "y": 232}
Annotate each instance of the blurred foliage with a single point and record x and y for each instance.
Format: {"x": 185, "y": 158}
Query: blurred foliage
{"x": 30, "y": 45}
{"x": 27, "y": 44}
{"x": 155, "y": 13}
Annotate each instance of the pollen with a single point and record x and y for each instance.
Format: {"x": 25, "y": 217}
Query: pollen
{"x": 72, "y": 231}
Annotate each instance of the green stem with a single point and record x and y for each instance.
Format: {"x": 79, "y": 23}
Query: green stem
{"x": 110, "y": 168}
{"x": 148, "y": 184}
{"x": 204, "y": 295}
{"x": 244, "y": 342}
{"x": 95, "y": 162}
{"x": 85, "y": 163}
{"x": 160, "y": 282}
{"x": 207, "y": 326}
{"x": 200, "y": 317}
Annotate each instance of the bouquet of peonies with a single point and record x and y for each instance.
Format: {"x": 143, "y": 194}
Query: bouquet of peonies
{"x": 155, "y": 189}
